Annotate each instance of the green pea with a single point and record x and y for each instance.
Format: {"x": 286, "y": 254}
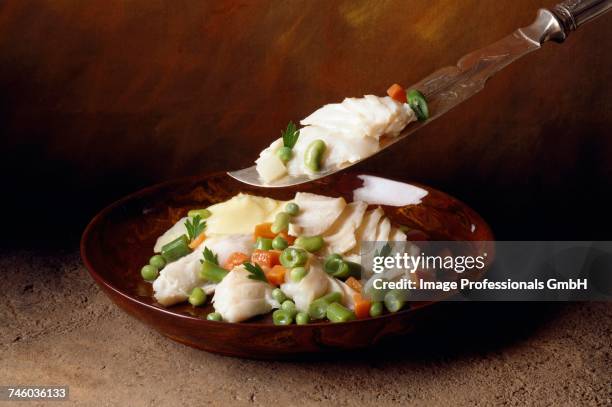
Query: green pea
{"x": 292, "y": 208}
{"x": 293, "y": 257}
{"x": 157, "y": 261}
{"x": 149, "y": 272}
{"x": 282, "y": 317}
{"x": 418, "y": 104}
{"x": 394, "y": 300}
{"x": 310, "y": 243}
{"x": 289, "y": 306}
{"x": 376, "y": 309}
{"x": 279, "y": 295}
{"x": 263, "y": 243}
{"x": 197, "y": 297}
{"x": 278, "y": 243}
{"x": 214, "y": 316}
{"x": 337, "y": 312}
{"x": 314, "y": 155}
{"x": 302, "y": 318}
{"x": 297, "y": 274}
{"x": 204, "y": 213}
{"x": 285, "y": 154}
{"x": 281, "y": 222}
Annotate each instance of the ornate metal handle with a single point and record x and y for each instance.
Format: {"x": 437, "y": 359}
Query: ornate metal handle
{"x": 571, "y": 14}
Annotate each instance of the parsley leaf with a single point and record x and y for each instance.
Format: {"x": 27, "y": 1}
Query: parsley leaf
{"x": 256, "y": 272}
{"x": 195, "y": 226}
{"x": 210, "y": 257}
{"x": 290, "y": 135}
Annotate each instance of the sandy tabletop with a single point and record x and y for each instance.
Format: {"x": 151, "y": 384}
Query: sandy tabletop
{"x": 59, "y": 328}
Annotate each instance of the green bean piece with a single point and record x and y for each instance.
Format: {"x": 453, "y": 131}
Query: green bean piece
{"x": 289, "y": 306}
{"x": 263, "y": 243}
{"x": 278, "y": 243}
{"x": 157, "y": 261}
{"x": 339, "y": 268}
{"x": 376, "y": 294}
{"x": 279, "y": 295}
{"x": 285, "y": 154}
{"x": 204, "y": 213}
{"x": 337, "y": 312}
{"x": 394, "y": 300}
{"x": 418, "y": 104}
{"x": 212, "y": 272}
{"x": 293, "y": 257}
{"x": 149, "y": 272}
{"x": 281, "y": 222}
{"x": 292, "y": 208}
{"x": 214, "y": 316}
{"x": 314, "y": 155}
{"x": 176, "y": 249}
{"x": 297, "y": 274}
{"x": 376, "y": 309}
{"x": 282, "y": 317}
{"x": 335, "y": 265}
{"x": 318, "y": 308}
{"x": 302, "y": 318}
{"x": 197, "y": 297}
{"x": 334, "y": 296}
{"x": 310, "y": 243}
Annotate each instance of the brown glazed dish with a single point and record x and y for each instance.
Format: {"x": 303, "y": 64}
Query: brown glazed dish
{"x": 120, "y": 239}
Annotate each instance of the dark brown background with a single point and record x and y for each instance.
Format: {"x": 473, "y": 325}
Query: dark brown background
{"x": 99, "y": 98}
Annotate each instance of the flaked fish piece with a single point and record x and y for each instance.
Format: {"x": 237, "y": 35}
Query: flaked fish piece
{"x": 340, "y": 238}
{"x": 317, "y": 214}
{"x": 238, "y": 298}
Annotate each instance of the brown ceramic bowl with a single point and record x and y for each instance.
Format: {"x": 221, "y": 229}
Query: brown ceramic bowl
{"x": 120, "y": 239}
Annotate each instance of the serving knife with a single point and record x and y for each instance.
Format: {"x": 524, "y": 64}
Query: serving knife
{"x": 452, "y": 85}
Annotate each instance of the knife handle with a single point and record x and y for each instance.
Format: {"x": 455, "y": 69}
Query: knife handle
{"x": 571, "y": 14}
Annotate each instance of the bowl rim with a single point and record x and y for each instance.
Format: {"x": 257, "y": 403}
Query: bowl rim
{"x": 102, "y": 214}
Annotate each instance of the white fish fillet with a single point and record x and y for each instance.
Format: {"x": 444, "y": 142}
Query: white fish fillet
{"x": 382, "y": 191}
{"x": 351, "y": 131}
{"x": 340, "y": 149}
{"x": 169, "y": 235}
{"x": 317, "y": 214}
{"x": 369, "y": 226}
{"x": 340, "y": 238}
{"x": 314, "y": 285}
{"x": 269, "y": 166}
{"x": 337, "y": 117}
{"x": 396, "y": 235}
{"x": 347, "y": 292}
{"x": 238, "y": 298}
{"x": 382, "y": 232}
{"x": 178, "y": 278}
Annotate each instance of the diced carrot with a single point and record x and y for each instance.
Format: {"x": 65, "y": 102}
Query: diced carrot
{"x": 362, "y": 306}
{"x": 197, "y": 241}
{"x": 354, "y": 284}
{"x": 397, "y": 92}
{"x": 263, "y": 230}
{"x": 266, "y": 258}
{"x": 235, "y": 259}
{"x": 290, "y": 239}
{"x": 276, "y": 275}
